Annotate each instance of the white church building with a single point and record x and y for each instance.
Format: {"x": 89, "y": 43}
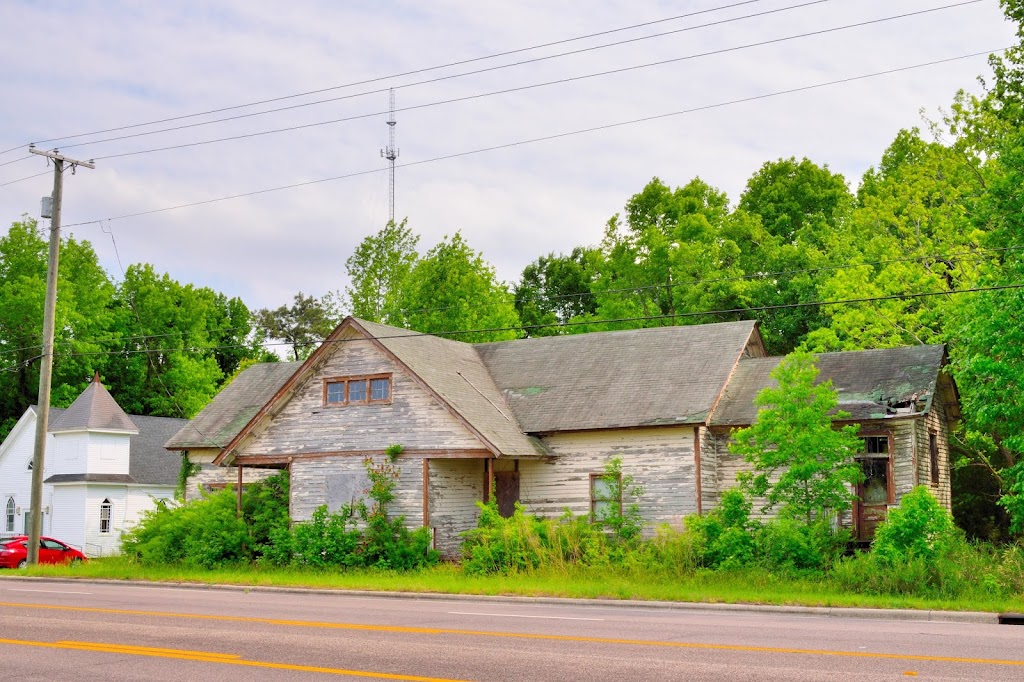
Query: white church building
{"x": 103, "y": 468}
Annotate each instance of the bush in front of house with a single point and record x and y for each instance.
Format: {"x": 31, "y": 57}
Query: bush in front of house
{"x": 206, "y": 533}
{"x": 919, "y": 528}
{"x": 357, "y": 535}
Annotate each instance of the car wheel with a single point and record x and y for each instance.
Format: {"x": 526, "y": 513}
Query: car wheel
{"x": 76, "y": 560}
{"x": 23, "y": 563}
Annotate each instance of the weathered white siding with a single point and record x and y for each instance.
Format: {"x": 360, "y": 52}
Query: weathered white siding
{"x": 413, "y": 418}
{"x": 210, "y": 477}
{"x": 936, "y": 422}
{"x": 659, "y": 459}
{"x": 456, "y": 485}
{"x": 708, "y": 469}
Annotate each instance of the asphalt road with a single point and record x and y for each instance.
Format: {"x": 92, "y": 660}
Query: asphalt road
{"x": 60, "y": 630}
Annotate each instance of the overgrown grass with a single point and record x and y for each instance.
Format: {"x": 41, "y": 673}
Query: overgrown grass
{"x": 742, "y": 586}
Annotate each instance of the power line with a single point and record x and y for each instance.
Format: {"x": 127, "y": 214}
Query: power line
{"x": 695, "y": 281}
{"x": 504, "y": 91}
{"x": 394, "y": 75}
{"x": 14, "y": 182}
{"x": 584, "y": 323}
{"x": 548, "y": 138}
{"x": 445, "y": 78}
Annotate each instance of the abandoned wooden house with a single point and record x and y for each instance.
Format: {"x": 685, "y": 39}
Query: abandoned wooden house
{"x": 535, "y": 420}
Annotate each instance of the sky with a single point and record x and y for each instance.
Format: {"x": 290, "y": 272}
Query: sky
{"x": 74, "y": 67}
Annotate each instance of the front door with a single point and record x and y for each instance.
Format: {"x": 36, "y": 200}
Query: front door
{"x": 874, "y": 493}
{"x": 506, "y": 491}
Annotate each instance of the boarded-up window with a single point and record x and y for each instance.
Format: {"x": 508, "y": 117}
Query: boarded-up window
{"x": 605, "y": 496}
{"x": 933, "y": 451}
{"x": 345, "y": 488}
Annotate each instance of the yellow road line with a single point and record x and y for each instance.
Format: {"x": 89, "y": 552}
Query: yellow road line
{"x": 129, "y": 648}
{"x": 521, "y": 635}
{"x": 227, "y": 659}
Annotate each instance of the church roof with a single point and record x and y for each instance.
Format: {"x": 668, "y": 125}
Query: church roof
{"x": 94, "y": 410}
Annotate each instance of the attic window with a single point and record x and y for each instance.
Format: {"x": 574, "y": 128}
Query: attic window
{"x": 30, "y": 465}
{"x": 358, "y": 390}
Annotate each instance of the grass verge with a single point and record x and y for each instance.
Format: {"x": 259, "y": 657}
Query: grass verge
{"x": 749, "y": 586}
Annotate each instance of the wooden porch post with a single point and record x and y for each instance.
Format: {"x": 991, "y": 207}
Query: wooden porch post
{"x": 488, "y": 478}
{"x": 426, "y": 492}
{"x": 238, "y": 491}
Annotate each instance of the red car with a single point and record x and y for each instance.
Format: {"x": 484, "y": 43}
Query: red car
{"x": 14, "y": 552}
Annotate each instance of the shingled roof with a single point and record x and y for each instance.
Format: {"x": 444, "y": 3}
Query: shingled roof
{"x": 872, "y": 384}
{"x": 94, "y": 410}
{"x": 231, "y": 409}
{"x": 601, "y": 380}
{"x": 454, "y": 371}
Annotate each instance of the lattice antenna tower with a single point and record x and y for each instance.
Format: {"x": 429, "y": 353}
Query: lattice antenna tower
{"x": 391, "y": 153}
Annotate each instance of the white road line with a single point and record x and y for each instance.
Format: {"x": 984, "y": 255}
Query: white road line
{"x": 16, "y": 589}
{"x": 516, "y": 615}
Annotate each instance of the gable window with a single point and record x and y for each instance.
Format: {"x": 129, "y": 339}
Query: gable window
{"x": 359, "y": 390}
{"x": 605, "y": 496}
{"x": 30, "y": 465}
{"x": 933, "y": 451}
{"x": 9, "y": 516}
{"x": 105, "y": 510}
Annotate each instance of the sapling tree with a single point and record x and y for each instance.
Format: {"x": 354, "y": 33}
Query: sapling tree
{"x": 801, "y": 462}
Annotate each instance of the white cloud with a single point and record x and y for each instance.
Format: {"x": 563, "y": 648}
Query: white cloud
{"x": 125, "y": 63}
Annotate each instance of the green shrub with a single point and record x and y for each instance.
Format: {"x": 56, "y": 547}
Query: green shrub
{"x": 205, "y": 532}
{"x": 357, "y": 536}
{"x": 920, "y": 527}
{"x": 524, "y": 543}
{"x": 265, "y": 510}
{"x": 785, "y": 544}
{"x": 724, "y": 534}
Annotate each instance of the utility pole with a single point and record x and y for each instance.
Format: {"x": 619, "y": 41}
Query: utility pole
{"x": 60, "y": 164}
{"x": 391, "y": 153}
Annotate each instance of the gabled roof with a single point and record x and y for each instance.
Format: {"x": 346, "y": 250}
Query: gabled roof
{"x": 231, "y": 409}
{"x": 94, "y": 410}
{"x": 872, "y": 384}
{"x": 455, "y": 373}
{"x": 449, "y": 370}
{"x": 601, "y": 380}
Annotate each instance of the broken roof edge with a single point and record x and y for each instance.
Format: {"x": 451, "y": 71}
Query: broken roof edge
{"x": 940, "y": 372}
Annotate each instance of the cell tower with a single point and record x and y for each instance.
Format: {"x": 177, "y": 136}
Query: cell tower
{"x": 391, "y": 153}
